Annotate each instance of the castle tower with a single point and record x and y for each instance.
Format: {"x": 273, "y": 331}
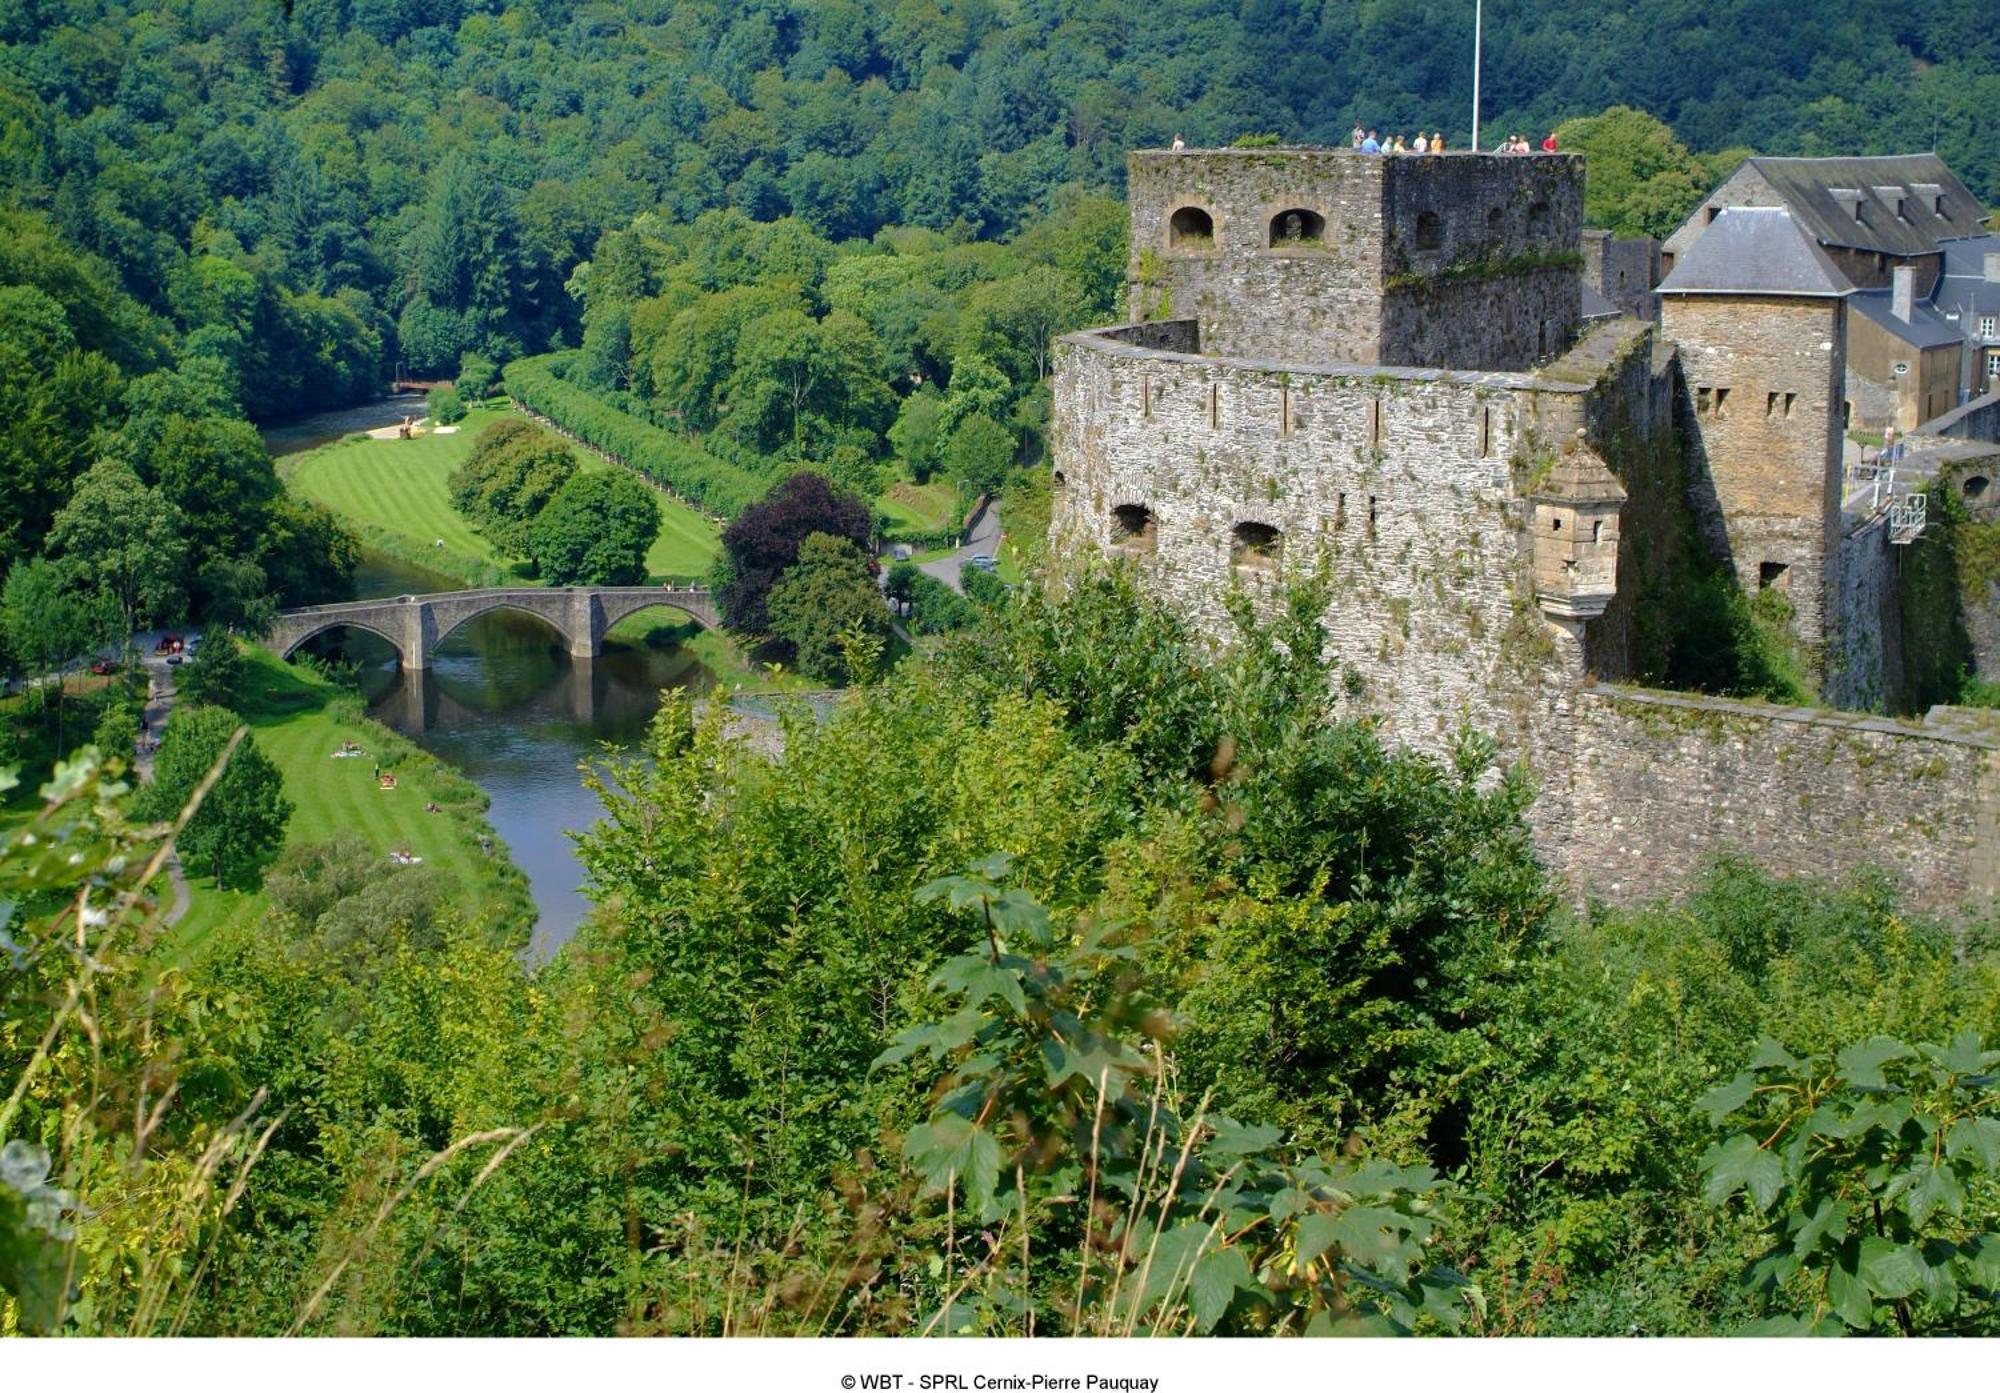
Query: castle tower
{"x": 1759, "y": 314}
{"x": 1328, "y": 256}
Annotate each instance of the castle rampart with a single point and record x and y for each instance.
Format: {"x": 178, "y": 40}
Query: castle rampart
{"x": 1660, "y": 781}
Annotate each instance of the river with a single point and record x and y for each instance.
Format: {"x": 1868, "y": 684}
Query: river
{"x": 505, "y": 703}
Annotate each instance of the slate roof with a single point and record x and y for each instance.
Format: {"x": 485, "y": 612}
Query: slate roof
{"x": 1595, "y": 306}
{"x": 1755, "y": 251}
{"x": 1807, "y": 188}
{"x": 1963, "y": 288}
{"x": 1926, "y": 328}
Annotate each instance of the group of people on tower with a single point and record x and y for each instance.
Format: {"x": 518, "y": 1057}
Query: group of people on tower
{"x": 1368, "y": 143}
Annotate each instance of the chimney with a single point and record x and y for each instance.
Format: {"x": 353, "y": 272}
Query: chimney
{"x": 1993, "y": 267}
{"x": 1903, "y": 298}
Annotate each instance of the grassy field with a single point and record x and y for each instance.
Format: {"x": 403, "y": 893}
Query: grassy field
{"x": 734, "y": 669}
{"x": 298, "y": 720}
{"x": 920, "y": 507}
{"x": 395, "y": 491}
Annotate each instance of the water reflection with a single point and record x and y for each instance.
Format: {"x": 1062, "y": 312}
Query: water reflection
{"x": 506, "y": 705}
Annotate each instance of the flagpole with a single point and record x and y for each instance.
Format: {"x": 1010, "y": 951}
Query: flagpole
{"x": 1478, "y": 34}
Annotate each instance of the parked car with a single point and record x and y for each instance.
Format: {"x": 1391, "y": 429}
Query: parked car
{"x": 983, "y": 562}
{"x": 103, "y": 667}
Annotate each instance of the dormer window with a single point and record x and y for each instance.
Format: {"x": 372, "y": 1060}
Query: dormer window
{"x": 1850, "y": 202}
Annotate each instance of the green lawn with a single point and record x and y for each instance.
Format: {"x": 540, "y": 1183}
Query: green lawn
{"x": 920, "y": 507}
{"x": 298, "y": 721}
{"x": 395, "y": 491}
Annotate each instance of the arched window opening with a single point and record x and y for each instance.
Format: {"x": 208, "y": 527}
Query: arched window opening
{"x": 1255, "y": 546}
{"x": 1538, "y": 219}
{"x": 1298, "y": 227}
{"x": 1191, "y": 227}
{"x": 1493, "y": 222}
{"x": 1430, "y": 232}
{"x": 1596, "y": 532}
{"x": 1133, "y": 528}
{"x": 1976, "y": 485}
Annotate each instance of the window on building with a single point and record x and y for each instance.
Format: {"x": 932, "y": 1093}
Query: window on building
{"x": 1298, "y": 227}
{"x": 1993, "y": 363}
{"x": 1703, "y": 400}
{"x": 1772, "y": 573}
{"x": 1770, "y": 403}
{"x": 1214, "y": 406}
{"x": 1255, "y": 546}
{"x": 1430, "y": 232}
{"x": 1539, "y": 219}
{"x": 1791, "y": 400}
{"x": 1989, "y": 325}
{"x": 1058, "y": 482}
{"x": 1485, "y": 431}
{"x": 1721, "y": 400}
{"x": 1374, "y": 421}
{"x": 1596, "y": 532}
{"x": 1976, "y": 484}
{"x": 1191, "y": 227}
{"x": 1133, "y": 528}
{"x": 1493, "y": 222}
{"x": 1708, "y": 213}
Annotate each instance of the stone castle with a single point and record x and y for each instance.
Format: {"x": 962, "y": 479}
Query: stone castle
{"x": 1383, "y": 366}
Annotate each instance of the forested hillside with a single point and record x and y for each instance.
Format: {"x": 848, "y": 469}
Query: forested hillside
{"x": 329, "y": 189}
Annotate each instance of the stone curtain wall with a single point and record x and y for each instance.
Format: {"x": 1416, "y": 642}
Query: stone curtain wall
{"x": 1765, "y": 485}
{"x": 1661, "y": 782}
{"x": 1864, "y": 667}
{"x": 1502, "y": 286}
{"x": 1383, "y": 474}
{"x": 1457, "y": 261}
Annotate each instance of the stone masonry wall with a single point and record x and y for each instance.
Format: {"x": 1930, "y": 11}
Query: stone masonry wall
{"x": 1765, "y": 473}
{"x": 1661, "y": 782}
{"x": 1428, "y": 262}
{"x": 1864, "y": 667}
{"x": 1401, "y": 480}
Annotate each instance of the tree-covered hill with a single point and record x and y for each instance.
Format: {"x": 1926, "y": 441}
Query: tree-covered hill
{"x": 404, "y": 180}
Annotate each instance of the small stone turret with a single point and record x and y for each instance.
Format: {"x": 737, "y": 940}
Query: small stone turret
{"x": 1576, "y": 536}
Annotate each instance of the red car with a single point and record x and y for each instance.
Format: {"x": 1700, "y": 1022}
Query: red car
{"x": 103, "y": 667}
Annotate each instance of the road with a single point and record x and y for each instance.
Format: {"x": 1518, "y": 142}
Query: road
{"x": 985, "y": 541}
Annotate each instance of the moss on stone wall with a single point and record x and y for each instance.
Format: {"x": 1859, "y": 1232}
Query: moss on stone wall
{"x": 1934, "y": 573}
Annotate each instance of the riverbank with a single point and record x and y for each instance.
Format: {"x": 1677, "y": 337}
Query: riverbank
{"x": 299, "y": 719}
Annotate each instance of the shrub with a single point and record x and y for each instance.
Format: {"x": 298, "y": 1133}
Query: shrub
{"x": 446, "y": 406}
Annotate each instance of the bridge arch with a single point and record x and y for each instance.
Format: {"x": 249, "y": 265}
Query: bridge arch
{"x": 453, "y": 622}
{"x": 296, "y": 639}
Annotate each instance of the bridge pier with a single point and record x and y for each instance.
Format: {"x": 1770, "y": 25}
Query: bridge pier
{"x": 585, "y": 624}
{"x": 419, "y": 635}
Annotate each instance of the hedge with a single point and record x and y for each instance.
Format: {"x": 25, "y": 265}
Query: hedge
{"x": 715, "y": 485}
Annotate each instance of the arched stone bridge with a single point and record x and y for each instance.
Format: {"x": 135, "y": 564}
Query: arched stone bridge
{"x": 417, "y": 624}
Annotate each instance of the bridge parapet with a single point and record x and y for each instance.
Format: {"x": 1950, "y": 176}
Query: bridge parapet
{"x": 416, "y": 624}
